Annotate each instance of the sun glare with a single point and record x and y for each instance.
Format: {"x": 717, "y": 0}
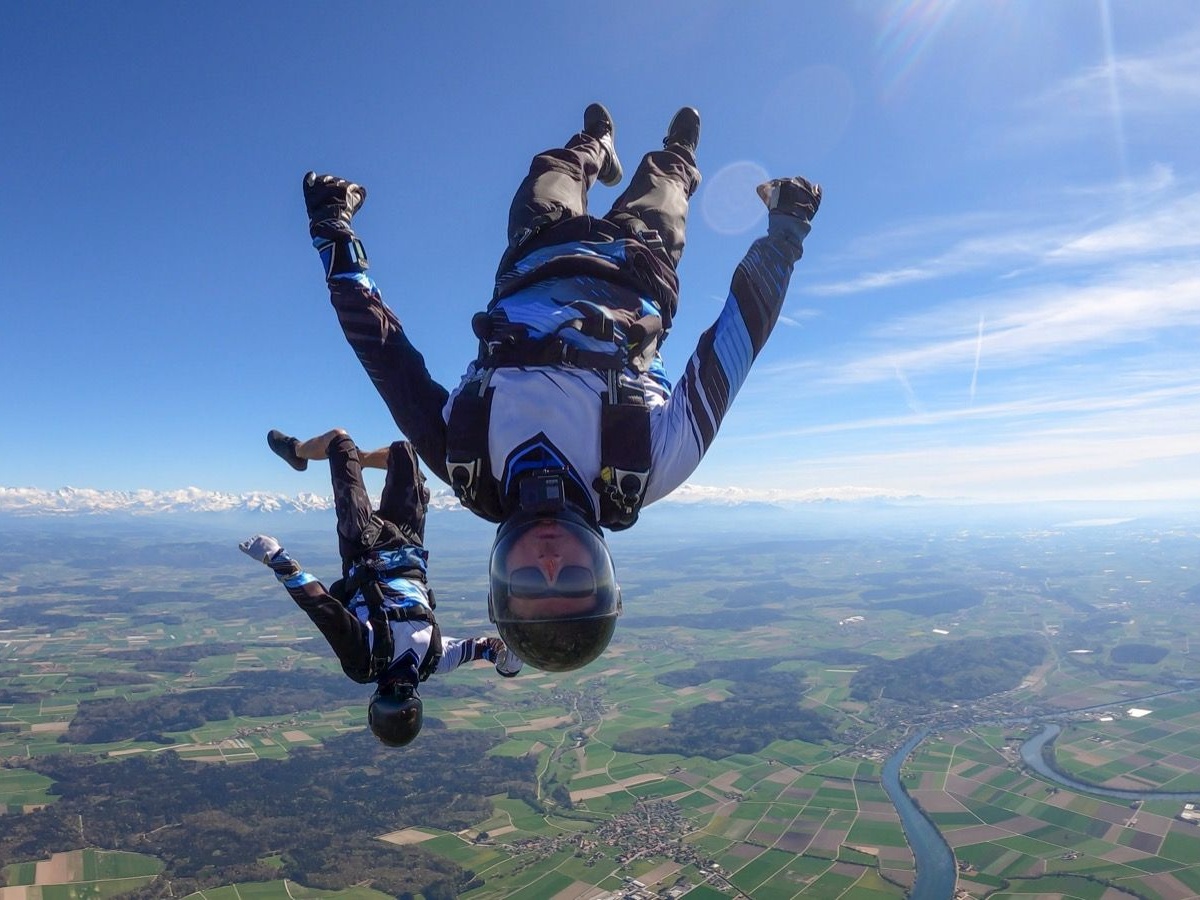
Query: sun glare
{"x": 907, "y": 31}
{"x": 1114, "y": 96}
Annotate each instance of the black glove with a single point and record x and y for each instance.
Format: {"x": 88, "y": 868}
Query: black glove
{"x": 331, "y": 203}
{"x": 791, "y": 205}
{"x": 796, "y": 197}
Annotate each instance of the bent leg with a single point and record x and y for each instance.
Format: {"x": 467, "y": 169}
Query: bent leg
{"x": 350, "y": 499}
{"x": 396, "y": 368}
{"x": 657, "y": 199}
{"x": 405, "y": 496}
{"x": 555, "y": 189}
{"x": 317, "y": 448}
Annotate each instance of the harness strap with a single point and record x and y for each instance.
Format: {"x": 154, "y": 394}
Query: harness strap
{"x": 467, "y": 460}
{"x": 550, "y": 351}
{"x": 625, "y": 446}
{"x": 504, "y": 344}
{"x": 624, "y": 452}
{"x": 433, "y": 655}
{"x": 382, "y": 647}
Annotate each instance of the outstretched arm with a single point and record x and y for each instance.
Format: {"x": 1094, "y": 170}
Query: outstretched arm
{"x": 455, "y": 652}
{"x": 683, "y": 429}
{"x": 374, "y": 332}
{"x": 346, "y": 635}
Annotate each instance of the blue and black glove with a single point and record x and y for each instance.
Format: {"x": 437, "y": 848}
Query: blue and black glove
{"x": 791, "y": 205}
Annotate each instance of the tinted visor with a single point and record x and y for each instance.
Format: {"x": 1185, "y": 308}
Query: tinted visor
{"x": 529, "y": 582}
{"x": 551, "y": 568}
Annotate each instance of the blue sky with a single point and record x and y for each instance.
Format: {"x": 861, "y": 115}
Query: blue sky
{"x": 1000, "y": 296}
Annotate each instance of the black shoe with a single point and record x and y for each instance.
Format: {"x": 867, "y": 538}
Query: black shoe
{"x": 684, "y": 130}
{"x": 599, "y": 124}
{"x": 284, "y": 447}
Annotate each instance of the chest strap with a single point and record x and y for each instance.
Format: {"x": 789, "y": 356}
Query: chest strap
{"x": 625, "y": 449}
{"x": 624, "y": 452}
{"x": 504, "y": 344}
{"x": 380, "y": 617}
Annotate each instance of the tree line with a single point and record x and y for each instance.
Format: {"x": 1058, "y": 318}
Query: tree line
{"x": 760, "y": 710}
{"x": 321, "y": 811}
{"x": 958, "y": 670}
{"x": 274, "y": 693}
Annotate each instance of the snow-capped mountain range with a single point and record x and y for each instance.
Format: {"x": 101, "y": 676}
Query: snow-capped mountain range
{"x": 70, "y": 501}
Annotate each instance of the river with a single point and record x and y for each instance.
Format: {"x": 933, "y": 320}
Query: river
{"x": 1031, "y": 755}
{"x": 937, "y": 872}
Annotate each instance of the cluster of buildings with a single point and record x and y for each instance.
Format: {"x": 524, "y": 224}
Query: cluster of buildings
{"x": 656, "y": 828}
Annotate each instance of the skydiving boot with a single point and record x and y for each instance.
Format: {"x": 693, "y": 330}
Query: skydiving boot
{"x": 284, "y": 447}
{"x": 598, "y": 123}
{"x": 684, "y": 130}
{"x": 791, "y": 204}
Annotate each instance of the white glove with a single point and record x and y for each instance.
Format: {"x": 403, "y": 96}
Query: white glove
{"x": 508, "y": 663}
{"x": 261, "y": 547}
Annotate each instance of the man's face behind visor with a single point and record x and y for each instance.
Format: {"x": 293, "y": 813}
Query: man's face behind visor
{"x": 550, "y": 573}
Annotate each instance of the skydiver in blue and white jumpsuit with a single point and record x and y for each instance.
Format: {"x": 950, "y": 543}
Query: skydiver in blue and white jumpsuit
{"x": 579, "y": 309}
{"x": 378, "y": 618}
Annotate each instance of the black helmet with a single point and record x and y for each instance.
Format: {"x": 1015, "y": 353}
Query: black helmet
{"x": 394, "y": 714}
{"x": 558, "y": 645}
{"x": 561, "y": 626}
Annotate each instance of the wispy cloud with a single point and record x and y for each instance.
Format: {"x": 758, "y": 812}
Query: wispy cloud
{"x": 1008, "y": 242}
{"x": 1174, "y": 226}
{"x": 1064, "y": 225}
{"x": 978, "y": 355}
{"x": 1045, "y": 349}
{"x": 910, "y": 395}
{"x": 1029, "y": 326}
{"x": 1127, "y": 406}
{"x": 795, "y": 318}
{"x": 1155, "y": 83}
{"x": 1156, "y": 224}
{"x": 1136, "y": 446}
{"x": 1041, "y": 465}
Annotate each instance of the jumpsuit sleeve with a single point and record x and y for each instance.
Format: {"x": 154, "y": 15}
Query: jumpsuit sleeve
{"x": 456, "y": 651}
{"x": 394, "y": 365}
{"x": 342, "y": 630}
{"x": 684, "y": 427}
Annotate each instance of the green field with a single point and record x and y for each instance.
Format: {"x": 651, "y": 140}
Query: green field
{"x": 786, "y": 819}
{"x": 85, "y": 875}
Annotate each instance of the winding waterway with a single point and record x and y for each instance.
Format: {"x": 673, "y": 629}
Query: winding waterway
{"x": 1031, "y": 755}
{"x": 937, "y": 873}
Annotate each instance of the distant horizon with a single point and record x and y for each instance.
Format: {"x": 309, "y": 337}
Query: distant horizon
{"x": 70, "y": 502}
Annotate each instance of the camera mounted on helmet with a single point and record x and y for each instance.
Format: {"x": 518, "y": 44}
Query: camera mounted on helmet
{"x": 544, "y": 491}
